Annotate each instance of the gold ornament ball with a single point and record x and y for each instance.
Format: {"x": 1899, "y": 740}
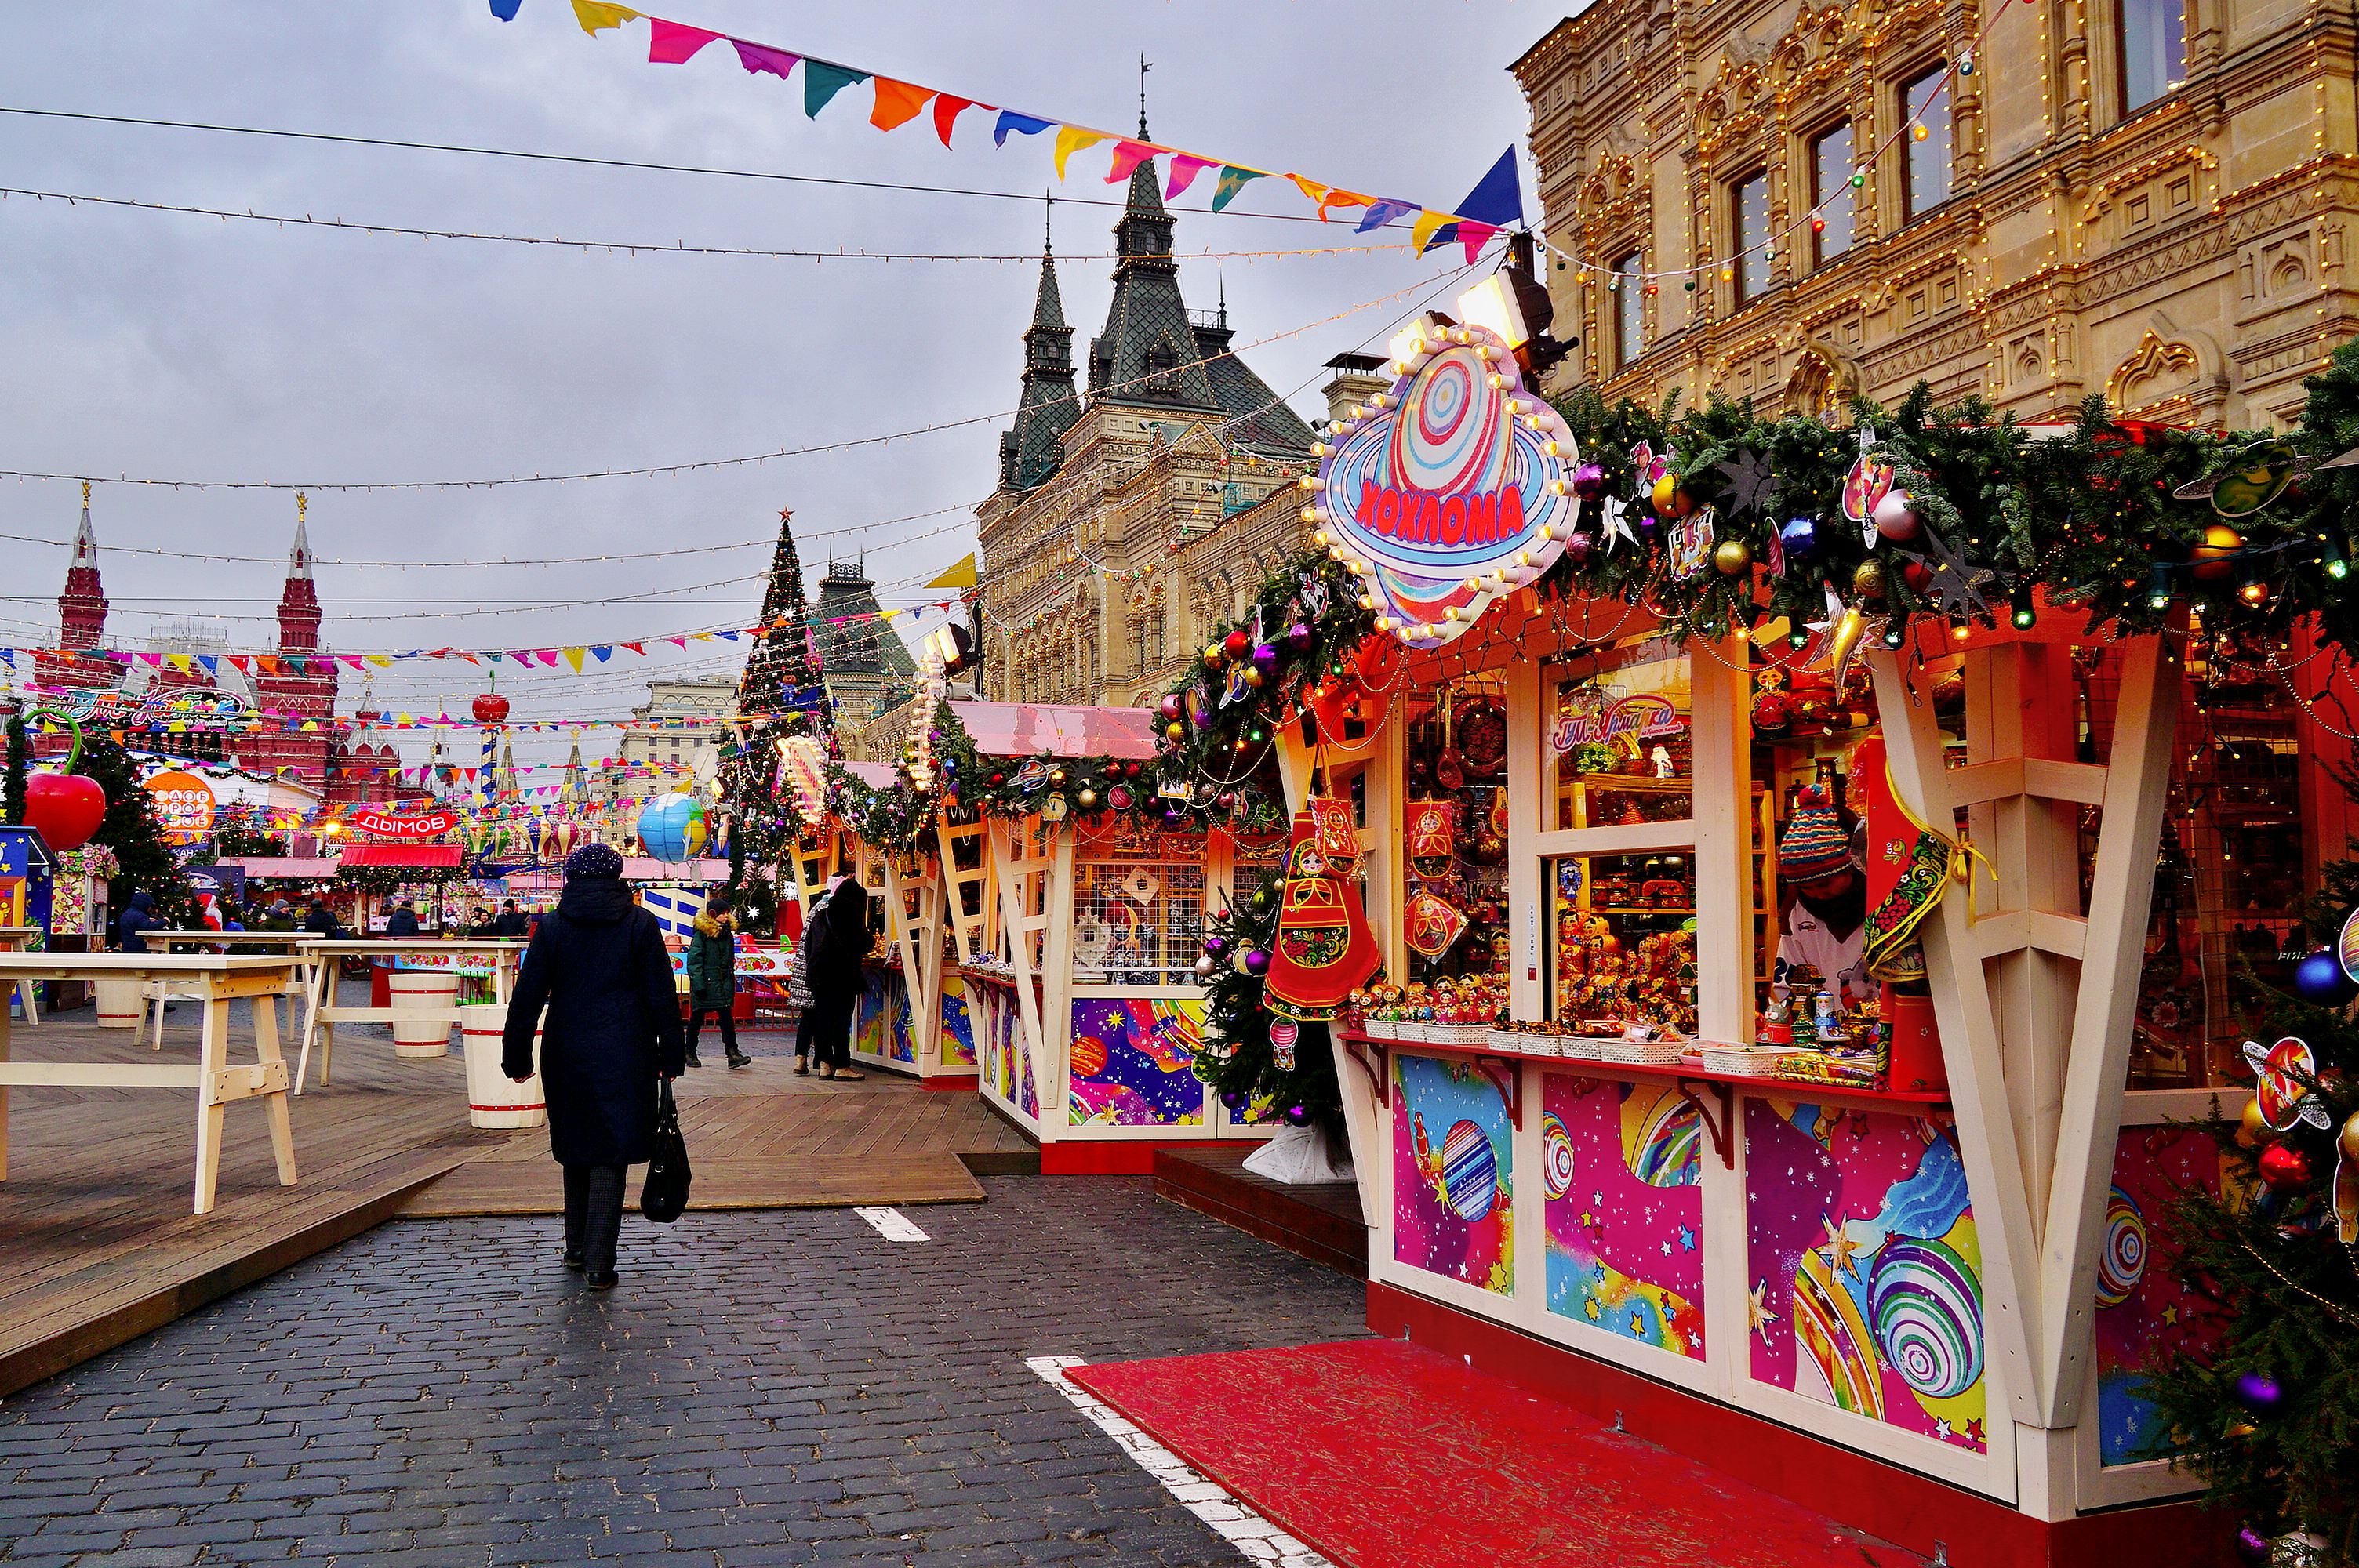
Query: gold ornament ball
{"x": 1732, "y": 557}
{"x": 1664, "y": 494}
{"x": 1867, "y": 581}
{"x": 1087, "y": 799}
{"x": 1212, "y": 655}
{"x": 1252, "y": 676}
{"x": 2251, "y": 1131}
{"x": 1057, "y": 777}
{"x": 2350, "y": 1139}
{"x": 2219, "y": 542}
{"x": 1176, "y": 730}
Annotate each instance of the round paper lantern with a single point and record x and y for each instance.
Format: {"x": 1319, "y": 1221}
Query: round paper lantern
{"x": 1896, "y": 516}
{"x": 672, "y": 827}
{"x": 491, "y": 707}
{"x": 65, "y": 806}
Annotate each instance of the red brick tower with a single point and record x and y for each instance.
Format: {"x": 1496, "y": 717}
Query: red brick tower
{"x": 300, "y": 683}
{"x": 81, "y": 620}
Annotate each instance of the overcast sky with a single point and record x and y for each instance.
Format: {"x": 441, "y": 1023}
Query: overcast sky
{"x": 176, "y": 347}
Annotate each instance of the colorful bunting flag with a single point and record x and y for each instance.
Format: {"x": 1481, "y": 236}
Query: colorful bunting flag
{"x": 1128, "y": 157}
{"x": 1022, "y": 124}
{"x": 1072, "y": 139}
{"x": 1381, "y": 213}
{"x": 822, "y": 81}
{"x": 759, "y": 58}
{"x": 1426, "y": 232}
{"x": 1233, "y": 180}
{"x": 946, "y": 113}
{"x": 675, "y": 43}
{"x": 1185, "y": 168}
{"x": 897, "y": 103}
{"x": 598, "y": 15}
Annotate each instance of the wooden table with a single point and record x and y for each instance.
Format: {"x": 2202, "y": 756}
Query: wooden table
{"x": 160, "y": 992}
{"x": 216, "y": 980}
{"x": 326, "y": 957}
{"x": 13, "y": 940}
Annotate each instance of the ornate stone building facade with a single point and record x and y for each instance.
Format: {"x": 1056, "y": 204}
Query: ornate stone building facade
{"x": 1105, "y": 544}
{"x": 2146, "y": 199}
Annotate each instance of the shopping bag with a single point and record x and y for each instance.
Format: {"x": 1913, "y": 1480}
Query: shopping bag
{"x": 664, "y": 1193}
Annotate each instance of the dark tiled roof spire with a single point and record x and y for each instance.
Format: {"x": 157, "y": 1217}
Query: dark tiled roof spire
{"x": 1029, "y": 451}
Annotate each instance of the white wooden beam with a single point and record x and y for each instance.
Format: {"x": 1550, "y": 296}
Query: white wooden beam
{"x": 1526, "y": 789}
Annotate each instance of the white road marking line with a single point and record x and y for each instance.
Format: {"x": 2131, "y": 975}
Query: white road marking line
{"x": 1207, "y": 1499}
{"x": 891, "y": 1224}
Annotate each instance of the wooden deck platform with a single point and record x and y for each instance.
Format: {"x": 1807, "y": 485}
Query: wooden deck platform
{"x": 97, "y": 1245}
{"x": 1317, "y": 1220}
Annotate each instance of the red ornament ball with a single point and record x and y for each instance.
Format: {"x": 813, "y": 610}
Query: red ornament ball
{"x": 2286, "y": 1168}
{"x": 1236, "y": 644}
{"x": 491, "y": 707}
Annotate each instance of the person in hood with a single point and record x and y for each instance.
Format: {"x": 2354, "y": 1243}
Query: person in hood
{"x": 799, "y": 992}
{"x": 839, "y": 947}
{"x": 712, "y": 983}
{"x": 137, "y": 919}
{"x": 403, "y": 920}
{"x": 598, "y": 964}
{"x": 321, "y": 921}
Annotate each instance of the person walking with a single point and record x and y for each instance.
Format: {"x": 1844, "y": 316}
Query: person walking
{"x": 839, "y": 944}
{"x": 712, "y": 983}
{"x": 599, "y": 965}
{"x": 510, "y": 924}
{"x": 321, "y": 921}
{"x": 798, "y": 991}
{"x": 137, "y": 919}
{"x": 402, "y": 921}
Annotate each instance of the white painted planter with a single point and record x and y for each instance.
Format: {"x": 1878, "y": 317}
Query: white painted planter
{"x": 424, "y": 991}
{"x": 121, "y": 1003}
{"x": 494, "y": 1099}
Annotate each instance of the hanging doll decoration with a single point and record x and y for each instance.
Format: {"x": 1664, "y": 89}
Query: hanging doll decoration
{"x": 1324, "y": 950}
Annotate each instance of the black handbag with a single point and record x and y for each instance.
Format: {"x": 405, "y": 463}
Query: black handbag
{"x": 664, "y": 1193}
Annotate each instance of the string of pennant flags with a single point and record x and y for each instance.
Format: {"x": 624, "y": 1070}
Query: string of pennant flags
{"x": 1495, "y": 204}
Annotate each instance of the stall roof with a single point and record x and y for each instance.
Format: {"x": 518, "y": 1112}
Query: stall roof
{"x": 421, "y": 856}
{"x": 1026, "y": 730}
{"x": 647, "y": 869}
{"x": 282, "y": 868}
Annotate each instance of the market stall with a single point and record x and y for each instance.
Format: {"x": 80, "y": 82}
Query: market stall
{"x": 1079, "y": 968}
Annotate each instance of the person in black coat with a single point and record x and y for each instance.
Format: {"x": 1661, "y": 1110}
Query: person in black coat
{"x": 599, "y": 965}
{"x": 137, "y": 919}
{"x": 840, "y": 941}
{"x": 402, "y": 921}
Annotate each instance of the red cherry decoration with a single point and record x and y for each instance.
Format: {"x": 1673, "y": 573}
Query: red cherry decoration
{"x": 491, "y": 707}
{"x": 66, "y": 807}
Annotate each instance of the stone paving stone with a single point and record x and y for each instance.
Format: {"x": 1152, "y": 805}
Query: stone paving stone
{"x": 765, "y": 1388}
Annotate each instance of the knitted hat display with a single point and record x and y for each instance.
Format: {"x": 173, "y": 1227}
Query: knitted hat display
{"x": 1814, "y": 848}
{"x": 595, "y": 860}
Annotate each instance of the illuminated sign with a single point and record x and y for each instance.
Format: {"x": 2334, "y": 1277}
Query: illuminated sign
{"x": 1640, "y": 716}
{"x": 1453, "y": 490}
{"x": 183, "y": 804}
{"x": 404, "y": 825}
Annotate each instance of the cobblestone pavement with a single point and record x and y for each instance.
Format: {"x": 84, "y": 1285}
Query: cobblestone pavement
{"x": 780, "y": 1388}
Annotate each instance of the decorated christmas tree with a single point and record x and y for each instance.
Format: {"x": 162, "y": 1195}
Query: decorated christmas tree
{"x": 1239, "y": 1059}
{"x": 130, "y": 828}
{"x": 763, "y": 829}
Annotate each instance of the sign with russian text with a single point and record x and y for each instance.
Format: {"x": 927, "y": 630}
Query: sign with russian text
{"x": 183, "y": 803}
{"x": 1453, "y": 490}
{"x": 403, "y": 825}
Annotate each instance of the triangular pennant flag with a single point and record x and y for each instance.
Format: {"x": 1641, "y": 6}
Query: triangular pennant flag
{"x": 352, "y": 660}
{"x": 1185, "y": 168}
{"x": 676, "y": 642}
{"x": 759, "y": 58}
{"x": 596, "y": 15}
{"x": 897, "y": 103}
{"x": 946, "y": 113}
{"x": 1382, "y": 211}
{"x": 1497, "y": 200}
{"x": 1022, "y": 124}
{"x": 1128, "y": 157}
{"x": 1431, "y": 229}
{"x": 1233, "y": 180}
{"x": 547, "y": 657}
{"x": 1072, "y": 139}
{"x": 380, "y": 660}
{"x": 822, "y": 82}
{"x": 179, "y": 662}
{"x": 640, "y": 648}
{"x": 1475, "y": 235}
{"x": 1316, "y": 192}
{"x": 603, "y": 651}
{"x": 960, "y": 575}
{"x": 675, "y": 43}
{"x": 211, "y": 662}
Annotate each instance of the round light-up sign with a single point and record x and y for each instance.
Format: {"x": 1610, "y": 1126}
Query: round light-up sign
{"x": 1453, "y": 490}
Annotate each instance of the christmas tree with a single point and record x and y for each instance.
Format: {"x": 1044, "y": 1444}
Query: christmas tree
{"x": 129, "y": 829}
{"x": 1238, "y": 1059}
{"x": 2261, "y": 1400}
{"x": 780, "y": 668}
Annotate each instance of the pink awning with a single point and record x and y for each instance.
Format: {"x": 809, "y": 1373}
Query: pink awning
{"x": 1032, "y": 729}
{"x": 647, "y": 869}
{"x": 282, "y": 868}
{"x": 875, "y": 775}
{"x": 423, "y": 857}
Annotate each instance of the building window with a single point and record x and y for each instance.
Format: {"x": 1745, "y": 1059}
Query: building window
{"x": 1629, "y": 313}
{"x": 1749, "y": 221}
{"x": 1925, "y": 101}
{"x": 1832, "y": 196}
{"x": 2154, "y": 51}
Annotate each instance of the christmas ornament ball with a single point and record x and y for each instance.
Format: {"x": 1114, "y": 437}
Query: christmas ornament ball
{"x": 1800, "y": 538}
{"x": 1896, "y": 516}
{"x": 2252, "y": 1546}
{"x": 2211, "y": 552}
{"x": 1171, "y": 708}
{"x": 1216, "y": 944}
{"x": 2258, "y": 1392}
{"x": 1204, "y": 967}
{"x": 2349, "y": 1141}
{"x": 1256, "y": 962}
{"x": 1579, "y": 549}
{"x": 1225, "y": 802}
{"x": 1732, "y": 557}
{"x": 2252, "y": 1128}
{"x": 2319, "y": 980}
{"x": 1664, "y": 494}
{"x": 1236, "y": 644}
{"x": 1087, "y": 800}
{"x": 1264, "y": 657}
{"x": 1589, "y": 481}
{"x": 1174, "y": 731}
{"x": 2285, "y": 1168}
{"x": 1212, "y": 655}
{"x": 1867, "y": 581}
{"x": 1118, "y": 797}
{"x": 1298, "y": 637}
{"x": 1259, "y": 902}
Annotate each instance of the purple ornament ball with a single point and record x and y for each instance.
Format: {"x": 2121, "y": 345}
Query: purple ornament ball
{"x": 1589, "y": 481}
{"x": 1298, "y": 637}
{"x": 1264, "y": 657}
{"x": 1216, "y": 945}
{"x": 1174, "y": 817}
{"x": 1579, "y": 549}
{"x": 2252, "y": 1546}
{"x": 1256, "y": 962}
{"x": 2258, "y": 1392}
{"x": 2318, "y": 979}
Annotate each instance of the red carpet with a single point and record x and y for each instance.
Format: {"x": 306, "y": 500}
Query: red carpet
{"x": 1382, "y": 1455}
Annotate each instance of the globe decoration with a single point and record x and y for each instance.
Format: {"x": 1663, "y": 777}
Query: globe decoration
{"x": 1470, "y": 1172}
{"x": 491, "y": 707}
{"x": 1456, "y": 489}
{"x": 1926, "y": 1303}
{"x": 672, "y": 827}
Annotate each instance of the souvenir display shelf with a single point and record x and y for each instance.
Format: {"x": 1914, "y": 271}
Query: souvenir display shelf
{"x": 1077, "y": 972}
{"x": 1877, "y": 1301}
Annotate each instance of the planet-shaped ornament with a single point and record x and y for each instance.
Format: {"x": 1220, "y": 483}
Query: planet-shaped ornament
{"x": 2211, "y": 554}
{"x": 2346, "y": 945}
{"x": 1867, "y": 581}
{"x": 1896, "y": 517}
{"x": 1732, "y": 557}
{"x": 2318, "y": 979}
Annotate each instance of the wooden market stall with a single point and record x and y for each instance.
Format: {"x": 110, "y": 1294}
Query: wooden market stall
{"x": 1076, "y": 941}
{"x": 1884, "y": 1254}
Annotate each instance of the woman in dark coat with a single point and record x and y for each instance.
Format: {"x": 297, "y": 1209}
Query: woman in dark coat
{"x": 712, "y": 983}
{"x": 839, "y": 943}
{"x": 598, "y": 963}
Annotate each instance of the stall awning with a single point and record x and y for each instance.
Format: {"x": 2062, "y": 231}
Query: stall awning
{"x": 282, "y": 868}
{"x": 875, "y": 775}
{"x": 1025, "y": 729}
{"x": 422, "y": 857}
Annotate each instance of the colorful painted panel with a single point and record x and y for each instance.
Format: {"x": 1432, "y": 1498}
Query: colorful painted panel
{"x": 1004, "y": 1065}
{"x": 1865, "y": 1270}
{"x": 1134, "y": 1062}
{"x": 880, "y": 1018}
{"x": 1453, "y": 1172}
{"x": 957, "y": 1047}
{"x": 2141, "y": 1306}
{"x": 1621, "y": 1166}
